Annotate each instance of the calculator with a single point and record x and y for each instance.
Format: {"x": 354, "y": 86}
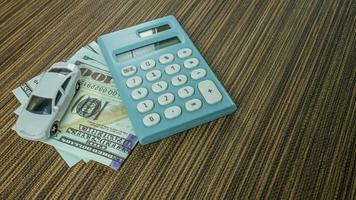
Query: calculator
{"x": 165, "y": 83}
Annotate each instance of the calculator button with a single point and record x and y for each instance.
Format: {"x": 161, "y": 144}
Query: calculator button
{"x": 166, "y": 99}
{"x": 191, "y": 62}
{"x": 153, "y": 75}
{"x": 172, "y": 112}
{"x": 128, "y": 70}
{"x": 185, "y": 92}
{"x": 198, "y": 73}
{"x": 148, "y": 64}
{"x": 133, "y": 81}
{"x": 209, "y": 91}
{"x": 145, "y": 106}
{"x": 159, "y": 86}
{"x": 166, "y": 58}
{"x": 139, "y": 93}
{"x": 179, "y": 80}
{"x": 183, "y": 53}
{"x": 193, "y": 105}
{"x": 172, "y": 69}
{"x": 151, "y": 119}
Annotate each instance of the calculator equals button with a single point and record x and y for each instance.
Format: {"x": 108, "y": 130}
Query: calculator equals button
{"x": 209, "y": 91}
{"x": 193, "y": 105}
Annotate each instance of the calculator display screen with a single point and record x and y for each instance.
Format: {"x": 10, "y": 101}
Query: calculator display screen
{"x": 154, "y": 30}
{"x": 135, "y": 53}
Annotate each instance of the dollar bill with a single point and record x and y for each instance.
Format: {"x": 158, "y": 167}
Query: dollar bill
{"x": 96, "y": 125}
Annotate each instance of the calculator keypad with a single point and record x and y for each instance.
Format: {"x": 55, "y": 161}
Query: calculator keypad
{"x": 139, "y": 93}
{"x": 207, "y": 88}
{"x": 153, "y": 75}
{"x": 159, "y": 86}
{"x": 133, "y": 81}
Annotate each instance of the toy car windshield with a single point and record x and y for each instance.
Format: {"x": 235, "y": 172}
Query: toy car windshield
{"x": 40, "y": 105}
{"x": 63, "y": 71}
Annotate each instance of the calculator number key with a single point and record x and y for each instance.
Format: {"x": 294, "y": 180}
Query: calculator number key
{"x": 193, "y": 105}
{"x": 145, "y": 106}
{"x": 172, "y": 69}
{"x": 133, "y": 81}
{"x": 185, "y": 92}
{"x": 198, "y": 73}
{"x": 179, "y": 80}
{"x": 151, "y": 119}
{"x": 139, "y": 93}
{"x": 209, "y": 91}
{"x": 148, "y": 64}
{"x": 183, "y": 53}
{"x": 166, "y": 99}
{"x": 191, "y": 63}
{"x": 166, "y": 58}
{"x": 153, "y": 75}
{"x": 128, "y": 70}
{"x": 159, "y": 86}
{"x": 172, "y": 112}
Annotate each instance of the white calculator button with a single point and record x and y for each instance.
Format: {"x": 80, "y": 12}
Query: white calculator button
{"x": 191, "y": 62}
{"x": 128, "y": 70}
{"x": 179, "y": 80}
{"x": 166, "y": 58}
{"x": 133, "y": 81}
{"x": 159, "y": 86}
{"x": 166, "y": 99}
{"x": 153, "y": 75}
{"x": 172, "y": 112}
{"x": 148, "y": 64}
{"x": 183, "y": 53}
{"x": 193, "y": 105}
{"x": 139, "y": 93}
{"x": 185, "y": 92}
{"x": 209, "y": 91}
{"x": 172, "y": 69}
{"x": 198, "y": 73}
{"x": 145, "y": 106}
{"x": 151, "y": 119}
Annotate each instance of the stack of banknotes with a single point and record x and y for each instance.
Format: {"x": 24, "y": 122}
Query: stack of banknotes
{"x": 96, "y": 125}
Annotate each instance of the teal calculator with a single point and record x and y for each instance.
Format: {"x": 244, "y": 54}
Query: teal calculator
{"x": 164, "y": 81}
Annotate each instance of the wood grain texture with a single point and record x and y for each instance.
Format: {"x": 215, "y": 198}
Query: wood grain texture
{"x": 290, "y": 66}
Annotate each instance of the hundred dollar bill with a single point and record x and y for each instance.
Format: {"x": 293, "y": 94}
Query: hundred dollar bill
{"x": 96, "y": 125}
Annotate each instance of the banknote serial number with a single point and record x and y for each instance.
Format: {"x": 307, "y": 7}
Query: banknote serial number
{"x": 101, "y": 89}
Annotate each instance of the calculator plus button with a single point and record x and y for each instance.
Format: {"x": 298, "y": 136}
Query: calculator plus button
{"x": 198, "y": 73}
{"x": 209, "y": 91}
{"x": 172, "y": 69}
{"x": 183, "y": 53}
{"x": 153, "y": 75}
{"x": 145, "y": 106}
{"x": 193, "y": 105}
{"x": 159, "y": 86}
{"x": 172, "y": 112}
{"x": 128, "y": 70}
{"x": 191, "y": 62}
{"x": 185, "y": 92}
{"x": 166, "y": 58}
{"x": 148, "y": 64}
{"x": 139, "y": 93}
{"x": 151, "y": 119}
{"x": 179, "y": 80}
{"x": 133, "y": 81}
{"x": 166, "y": 99}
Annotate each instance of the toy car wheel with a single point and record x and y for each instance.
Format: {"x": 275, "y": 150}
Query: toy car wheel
{"x": 54, "y": 128}
{"x": 77, "y": 86}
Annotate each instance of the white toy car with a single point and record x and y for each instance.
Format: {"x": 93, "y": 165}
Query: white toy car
{"x": 48, "y": 102}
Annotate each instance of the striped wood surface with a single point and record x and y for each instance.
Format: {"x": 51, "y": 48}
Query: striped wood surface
{"x": 290, "y": 65}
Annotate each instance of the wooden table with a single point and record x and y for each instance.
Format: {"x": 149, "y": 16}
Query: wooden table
{"x": 290, "y": 66}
